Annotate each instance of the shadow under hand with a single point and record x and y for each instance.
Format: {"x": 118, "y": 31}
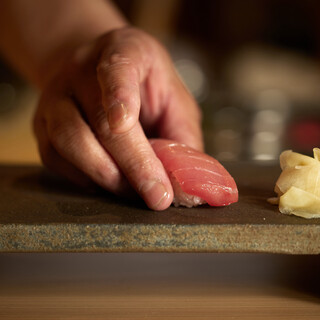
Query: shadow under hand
{"x": 43, "y": 187}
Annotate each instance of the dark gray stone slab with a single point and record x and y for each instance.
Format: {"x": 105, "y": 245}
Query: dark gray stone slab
{"x": 43, "y": 213}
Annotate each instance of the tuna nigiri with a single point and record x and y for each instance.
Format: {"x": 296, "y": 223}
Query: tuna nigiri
{"x": 196, "y": 177}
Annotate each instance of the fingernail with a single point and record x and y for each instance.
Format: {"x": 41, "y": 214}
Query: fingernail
{"x": 154, "y": 193}
{"x": 116, "y": 115}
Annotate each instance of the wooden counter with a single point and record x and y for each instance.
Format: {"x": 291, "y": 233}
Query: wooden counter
{"x": 159, "y": 286}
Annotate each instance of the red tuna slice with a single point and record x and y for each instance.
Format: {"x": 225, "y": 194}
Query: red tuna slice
{"x": 196, "y": 174}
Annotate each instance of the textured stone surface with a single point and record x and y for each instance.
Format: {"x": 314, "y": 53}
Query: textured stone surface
{"x": 42, "y": 213}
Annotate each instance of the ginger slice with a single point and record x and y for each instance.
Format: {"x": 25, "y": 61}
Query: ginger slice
{"x": 298, "y": 186}
{"x": 300, "y": 203}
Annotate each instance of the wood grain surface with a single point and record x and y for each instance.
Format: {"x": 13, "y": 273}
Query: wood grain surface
{"x": 159, "y": 286}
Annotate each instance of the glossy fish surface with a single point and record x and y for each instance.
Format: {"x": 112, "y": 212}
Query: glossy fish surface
{"x": 196, "y": 177}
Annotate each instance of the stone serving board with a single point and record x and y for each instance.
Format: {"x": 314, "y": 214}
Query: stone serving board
{"x": 40, "y": 212}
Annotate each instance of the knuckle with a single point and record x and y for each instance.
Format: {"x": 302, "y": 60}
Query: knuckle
{"x": 118, "y": 59}
{"x": 118, "y": 92}
{"x": 115, "y": 64}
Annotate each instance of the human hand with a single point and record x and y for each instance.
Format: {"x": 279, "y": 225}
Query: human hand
{"x": 98, "y": 109}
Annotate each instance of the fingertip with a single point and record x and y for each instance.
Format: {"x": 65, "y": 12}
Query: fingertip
{"x": 156, "y": 195}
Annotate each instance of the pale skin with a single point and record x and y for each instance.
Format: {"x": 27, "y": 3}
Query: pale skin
{"x": 105, "y": 88}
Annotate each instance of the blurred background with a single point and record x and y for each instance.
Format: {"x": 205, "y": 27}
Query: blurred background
{"x": 253, "y": 66}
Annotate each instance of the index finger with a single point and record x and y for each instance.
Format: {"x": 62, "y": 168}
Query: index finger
{"x": 135, "y": 157}
{"x": 116, "y": 123}
{"x": 122, "y": 68}
{"x": 137, "y": 160}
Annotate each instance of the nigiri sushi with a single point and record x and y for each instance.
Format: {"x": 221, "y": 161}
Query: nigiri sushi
{"x": 196, "y": 177}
